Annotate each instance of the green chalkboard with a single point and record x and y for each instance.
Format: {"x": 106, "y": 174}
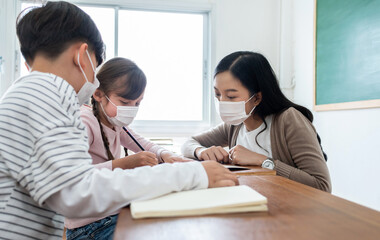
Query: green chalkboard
{"x": 347, "y": 58}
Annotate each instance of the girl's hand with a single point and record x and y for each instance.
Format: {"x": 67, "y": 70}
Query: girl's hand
{"x": 215, "y": 153}
{"x": 169, "y": 157}
{"x": 239, "y": 155}
{"x": 136, "y": 160}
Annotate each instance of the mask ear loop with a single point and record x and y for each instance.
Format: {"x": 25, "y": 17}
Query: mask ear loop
{"x": 92, "y": 65}
{"x": 249, "y": 114}
{"x": 250, "y": 98}
{"x": 29, "y": 68}
{"x": 104, "y": 111}
{"x": 84, "y": 74}
{"x": 110, "y": 101}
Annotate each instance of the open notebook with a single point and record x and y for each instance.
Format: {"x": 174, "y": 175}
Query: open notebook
{"x": 200, "y": 202}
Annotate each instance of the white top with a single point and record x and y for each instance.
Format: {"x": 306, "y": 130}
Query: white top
{"x": 248, "y": 139}
{"x": 44, "y": 163}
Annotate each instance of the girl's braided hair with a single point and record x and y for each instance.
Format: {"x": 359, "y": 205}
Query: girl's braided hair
{"x": 122, "y": 77}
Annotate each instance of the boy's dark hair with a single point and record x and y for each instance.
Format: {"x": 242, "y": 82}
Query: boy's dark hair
{"x": 52, "y": 28}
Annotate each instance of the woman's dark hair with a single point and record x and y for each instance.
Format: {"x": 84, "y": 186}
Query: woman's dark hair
{"x": 255, "y": 73}
{"x": 52, "y": 28}
{"x": 120, "y": 76}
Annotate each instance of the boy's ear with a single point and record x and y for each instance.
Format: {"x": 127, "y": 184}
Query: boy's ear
{"x": 81, "y": 52}
{"x": 98, "y": 95}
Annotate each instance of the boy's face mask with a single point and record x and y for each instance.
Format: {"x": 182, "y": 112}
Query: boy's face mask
{"x": 88, "y": 88}
{"x": 233, "y": 112}
{"x": 124, "y": 114}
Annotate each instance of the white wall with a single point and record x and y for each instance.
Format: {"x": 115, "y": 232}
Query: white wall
{"x": 244, "y": 25}
{"x": 247, "y": 25}
{"x": 351, "y": 138}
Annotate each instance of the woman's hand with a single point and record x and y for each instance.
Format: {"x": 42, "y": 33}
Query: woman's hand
{"x": 170, "y": 157}
{"x": 136, "y": 160}
{"x": 239, "y": 155}
{"x": 215, "y": 153}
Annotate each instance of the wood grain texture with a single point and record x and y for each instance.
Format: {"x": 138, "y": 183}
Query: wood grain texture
{"x": 296, "y": 211}
{"x": 348, "y": 105}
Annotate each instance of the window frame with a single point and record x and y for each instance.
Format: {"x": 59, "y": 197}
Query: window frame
{"x": 158, "y": 127}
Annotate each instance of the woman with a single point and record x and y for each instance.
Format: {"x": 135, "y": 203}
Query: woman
{"x": 261, "y": 126}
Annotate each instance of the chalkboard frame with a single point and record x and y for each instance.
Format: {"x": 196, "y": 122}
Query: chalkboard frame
{"x": 334, "y": 106}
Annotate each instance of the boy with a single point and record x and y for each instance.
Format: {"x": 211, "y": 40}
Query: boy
{"x": 45, "y": 167}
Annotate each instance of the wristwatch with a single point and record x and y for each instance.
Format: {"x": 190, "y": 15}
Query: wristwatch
{"x": 268, "y": 163}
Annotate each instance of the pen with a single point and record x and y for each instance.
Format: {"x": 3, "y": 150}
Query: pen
{"x": 130, "y": 135}
{"x": 137, "y": 143}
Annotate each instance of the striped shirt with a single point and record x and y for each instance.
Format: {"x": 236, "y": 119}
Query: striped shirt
{"x": 43, "y": 149}
{"x": 44, "y": 161}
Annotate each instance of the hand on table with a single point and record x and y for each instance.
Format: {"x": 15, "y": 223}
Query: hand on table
{"x": 215, "y": 153}
{"x": 240, "y": 155}
{"x": 170, "y": 157}
{"x": 219, "y": 176}
{"x": 136, "y": 160}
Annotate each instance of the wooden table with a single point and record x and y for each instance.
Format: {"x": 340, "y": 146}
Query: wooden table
{"x": 295, "y": 211}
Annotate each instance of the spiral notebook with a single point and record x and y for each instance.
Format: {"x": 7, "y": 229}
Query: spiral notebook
{"x": 201, "y": 202}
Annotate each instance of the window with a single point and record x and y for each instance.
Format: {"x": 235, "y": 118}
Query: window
{"x": 104, "y": 19}
{"x": 171, "y": 47}
{"x": 168, "y": 47}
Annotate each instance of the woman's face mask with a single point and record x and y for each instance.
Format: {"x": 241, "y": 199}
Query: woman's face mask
{"x": 233, "y": 99}
{"x": 124, "y": 114}
{"x": 233, "y": 112}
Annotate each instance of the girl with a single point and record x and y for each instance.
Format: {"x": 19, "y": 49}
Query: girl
{"x": 114, "y": 105}
{"x": 261, "y": 126}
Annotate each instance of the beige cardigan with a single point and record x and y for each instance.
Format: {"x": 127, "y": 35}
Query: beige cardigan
{"x": 295, "y": 149}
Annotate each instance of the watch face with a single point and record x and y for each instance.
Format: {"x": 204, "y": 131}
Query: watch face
{"x": 268, "y": 164}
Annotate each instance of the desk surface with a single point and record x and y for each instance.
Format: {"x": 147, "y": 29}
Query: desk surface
{"x": 295, "y": 211}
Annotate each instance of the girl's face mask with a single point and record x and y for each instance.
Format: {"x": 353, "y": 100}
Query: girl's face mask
{"x": 233, "y": 112}
{"x": 124, "y": 114}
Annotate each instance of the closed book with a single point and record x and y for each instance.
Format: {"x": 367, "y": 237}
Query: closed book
{"x": 200, "y": 202}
